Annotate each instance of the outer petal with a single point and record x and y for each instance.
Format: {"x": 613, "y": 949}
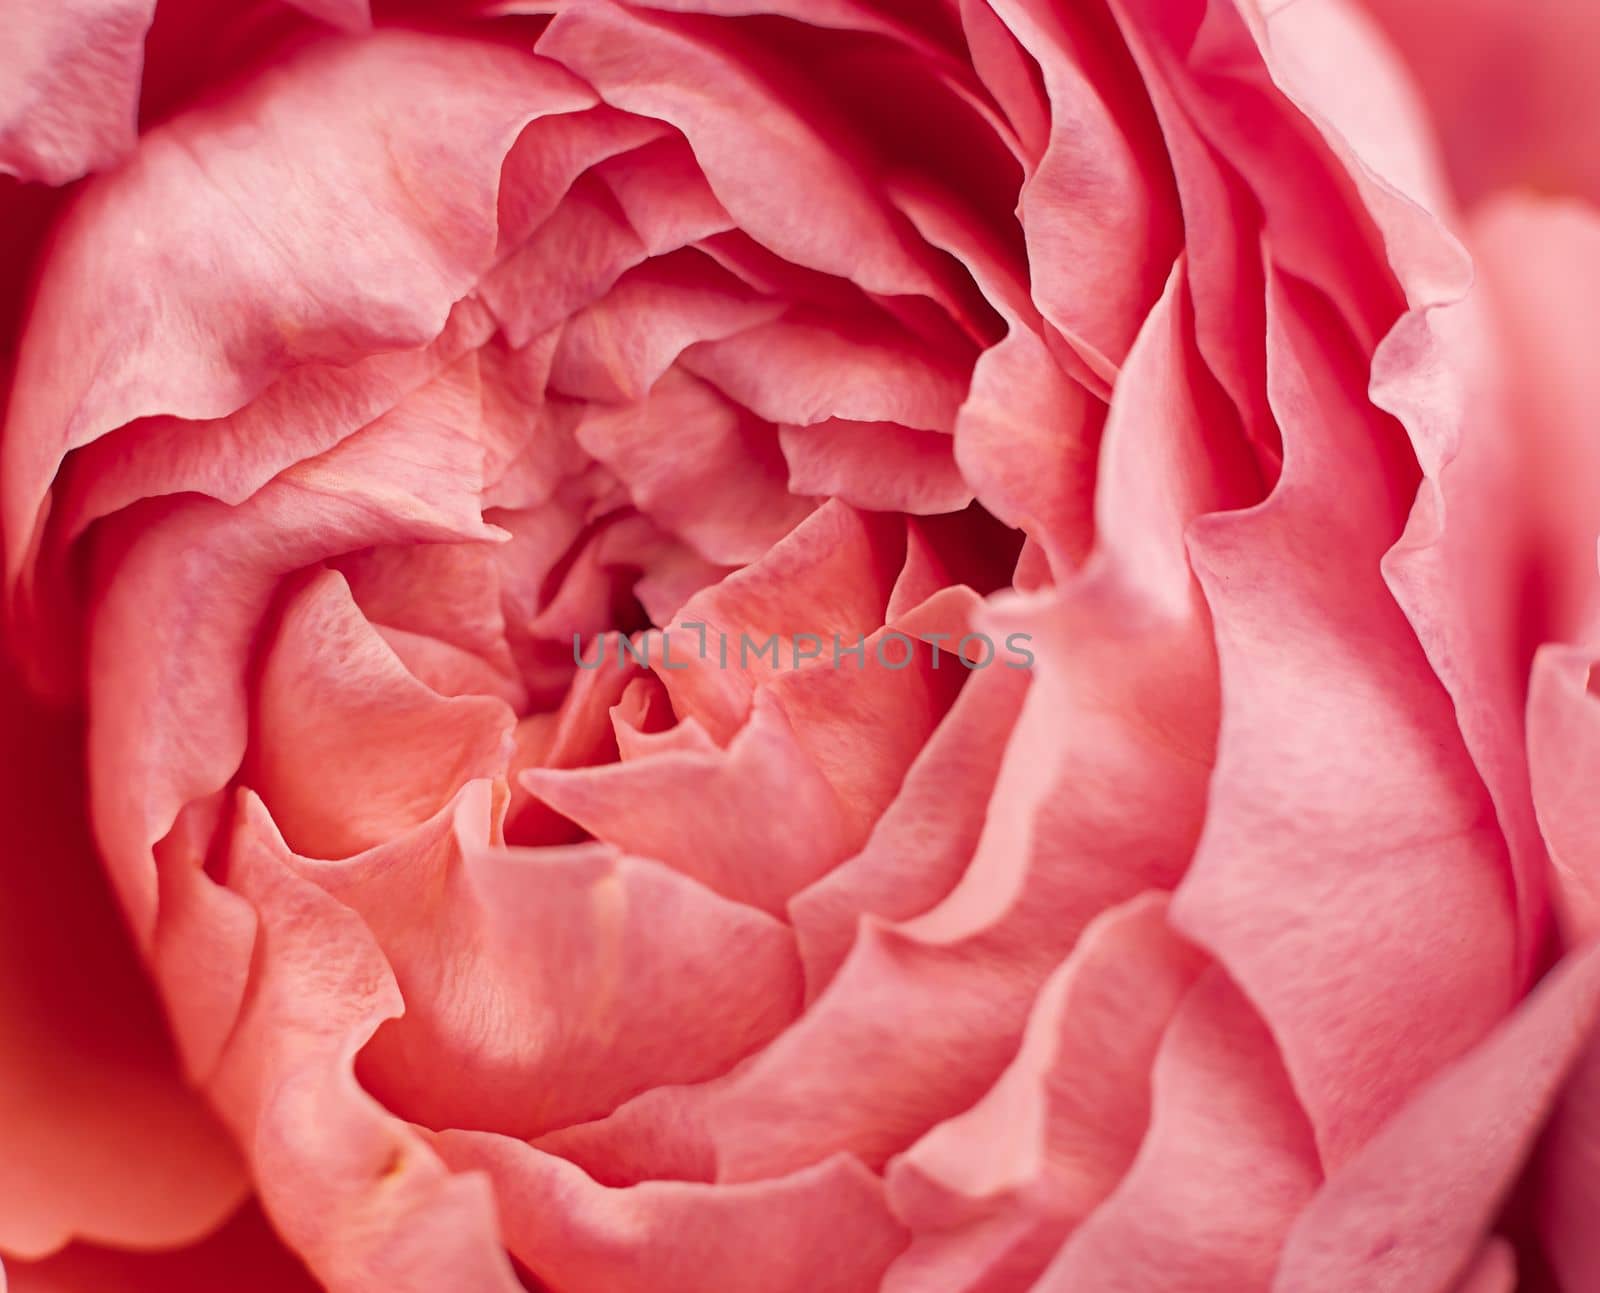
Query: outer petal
{"x": 1505, "y": 86}
{"x": 244, "y": 1256}
{"x": 1352, "y": 877}
{"x": 69, "y": 85}
{"x": 102, "y": 1141}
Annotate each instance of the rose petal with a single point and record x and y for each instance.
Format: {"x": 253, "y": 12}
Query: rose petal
{"x": 1409, "y": 1209}
{"x": 1225, "y": 1167}
{"x": 1342, "y": 787}
{"x": 71, "y": 77}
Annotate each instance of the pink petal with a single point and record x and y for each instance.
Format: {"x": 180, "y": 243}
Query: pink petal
{"x": 924, "y": 839}
{"x": 991, "y": 1194}
{"x": 132, "y": 318}
{"x": 347, "y": 748}
{"x": 192, "y": 584}
{"x": 824, "y": 1230}
{"x": 778, "y": 825}
{"x": 244, "y": 1256}
{"x": 1503, "y": 87}
{"x": 546, "y": 987}
{"x": 617, "y": 348}
{"x": 1227, "y": 1164}
{"x": 759, "y": 155}
{"x": 699, "y": 466}
{"x": 879, "y": 466}
{"x": 1097, "y": 211}
{"x": 1342, "y": 785}
{"x": 352, "y": 1189}
{"x": 1410, "y": 1208}
{"x": 71, "y": 75}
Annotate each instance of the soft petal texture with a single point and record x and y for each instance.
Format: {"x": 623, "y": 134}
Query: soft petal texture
{"x": 1226, "y": 1164}
{"x": 550, "y": 971}
{"x": 70, "y": 76}
{"x": 349, "y": 757}
{"x": 128, "y": 325}
{"x": 1366, "y": 803}
{"x": 353, "y": 1189}
{"x": 168, "y": 735}
{"x": 823, "y": 1230}
{"x": 1409, "y": 1209}
{"x": 1506, "y": 86}
{"x": 992, "y": 1193}
{"x": 102, "y": 1141}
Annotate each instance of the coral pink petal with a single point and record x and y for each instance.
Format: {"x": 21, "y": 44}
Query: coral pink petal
{"x": 879, "y": 466}
{"x": 348, "y": 749}
{"x": 829, "y": 577}
{"x": 1226, "y": 1166}
{"x": 70, "y": 72}
{"x": 823, "y": 1230}
{"x": 804, "y": 370}
{"x": 1098, "y": 210}
{"x": 782, "y": 183}
{"x": 923, "y": 841}
{"x": 244, "y": 1256}
{"x": 192, "y": 586}
{"x": 1342, "y": 785}
{"x": 991, "y": 1194}
{"x": 781, "y": 826}
{"x": 104, "y": 1142}
{"x": 545, "y": 987}
{"x": 615, "y": 349}
{"x": 353, "y": 1189}
{"x": 699, "y": 466}
{"x": 134, "y": 320}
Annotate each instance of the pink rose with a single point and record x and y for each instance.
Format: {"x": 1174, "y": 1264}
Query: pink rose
{"x": 801, "y": 646}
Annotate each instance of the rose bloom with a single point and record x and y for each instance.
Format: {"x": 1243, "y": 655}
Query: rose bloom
{"x": 364, "y": 371}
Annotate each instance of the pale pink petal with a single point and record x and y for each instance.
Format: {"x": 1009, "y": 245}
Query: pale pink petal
{"x": 70, "y": 71}
{"x": 1342, "y": 788}
{"x": 1410, "y": 1209}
